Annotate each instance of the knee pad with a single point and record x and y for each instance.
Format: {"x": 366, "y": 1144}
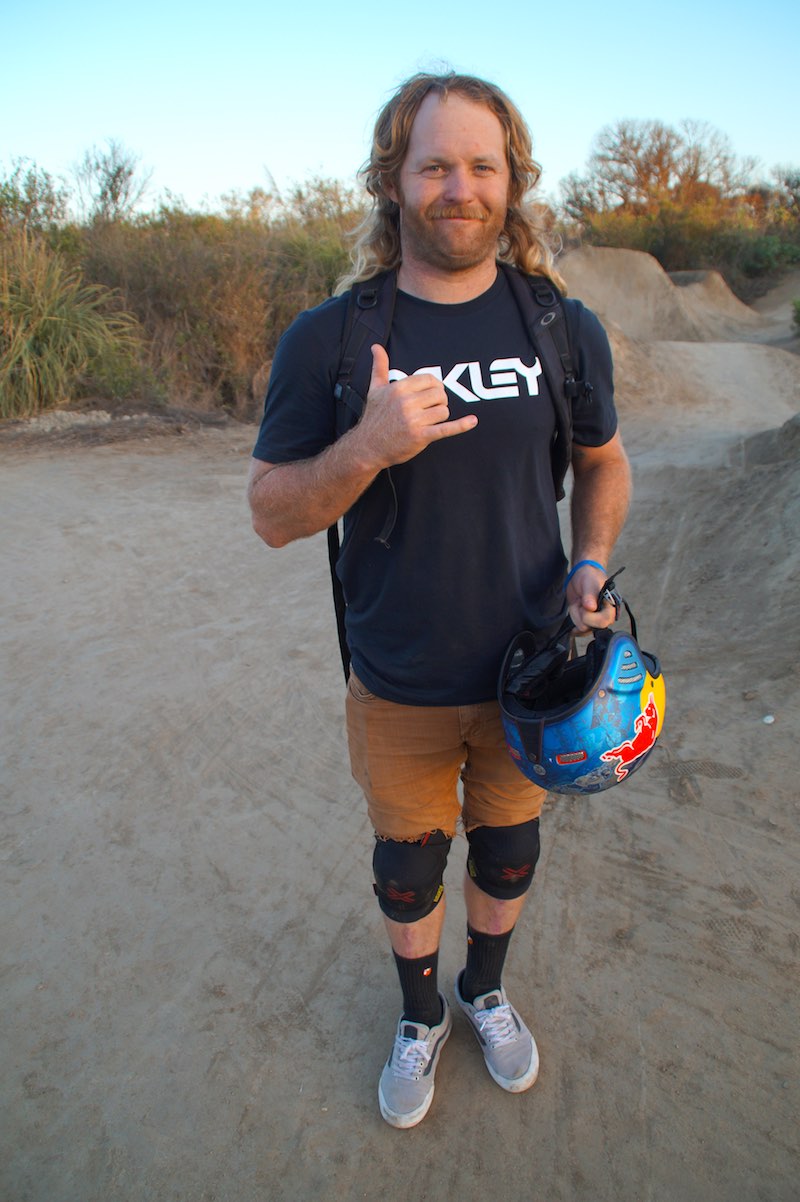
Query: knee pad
{"x": 408, "y": 876}
{"x": 502, "y": 859}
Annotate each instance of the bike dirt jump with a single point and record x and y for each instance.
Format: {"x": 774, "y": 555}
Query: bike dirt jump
{"x": 197, "y": 993}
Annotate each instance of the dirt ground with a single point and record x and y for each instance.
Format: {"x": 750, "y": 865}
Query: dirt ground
{"x": 197, "y": 994}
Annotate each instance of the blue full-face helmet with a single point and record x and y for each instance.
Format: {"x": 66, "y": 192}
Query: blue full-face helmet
{"x": 584, "y": 724}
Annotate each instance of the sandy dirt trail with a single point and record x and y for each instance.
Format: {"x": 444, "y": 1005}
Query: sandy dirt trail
{"x": 197, "y": 994}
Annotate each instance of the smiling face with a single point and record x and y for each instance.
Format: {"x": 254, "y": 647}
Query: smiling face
{"x": 453, "y": 188}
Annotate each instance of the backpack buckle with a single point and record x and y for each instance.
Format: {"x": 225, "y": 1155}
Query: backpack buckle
{"x": 546, "y": 297}
{"x": 367, "y": 299}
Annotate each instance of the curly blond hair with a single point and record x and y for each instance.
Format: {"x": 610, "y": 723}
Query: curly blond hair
{"x": 377, "y": 238}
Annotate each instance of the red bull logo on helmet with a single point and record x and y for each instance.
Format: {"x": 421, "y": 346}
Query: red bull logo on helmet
{"x": 646, "y": 728}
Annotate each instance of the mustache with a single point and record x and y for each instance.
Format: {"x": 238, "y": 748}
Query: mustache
{"x": 465, "y": 212}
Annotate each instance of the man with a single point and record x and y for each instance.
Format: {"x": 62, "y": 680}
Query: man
{"x": 455, "y": 442}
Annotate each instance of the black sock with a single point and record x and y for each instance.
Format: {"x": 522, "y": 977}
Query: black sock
{"x": 486, "y": 955}
{"x": 419, "y": 983}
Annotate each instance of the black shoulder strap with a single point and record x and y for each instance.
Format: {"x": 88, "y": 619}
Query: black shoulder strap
{"x": 370, "y": 308}
{"x": 542, "y": 307}
{"x": 339, "y": 603}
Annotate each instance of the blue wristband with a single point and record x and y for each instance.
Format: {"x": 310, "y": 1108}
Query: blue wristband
{"x": 584, "y": 563}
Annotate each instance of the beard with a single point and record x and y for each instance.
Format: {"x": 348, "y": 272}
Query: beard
{"x": 433, "y": 237}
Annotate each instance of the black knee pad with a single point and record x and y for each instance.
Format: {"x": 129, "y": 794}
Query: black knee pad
{"x": 502, "y": 859}
{"x": 408, "y": 876}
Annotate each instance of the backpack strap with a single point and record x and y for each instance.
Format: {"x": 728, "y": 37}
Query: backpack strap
{"x": 370, "y": 308}
{"x": 339, "y": 603}
{"x": 547, "y": 321}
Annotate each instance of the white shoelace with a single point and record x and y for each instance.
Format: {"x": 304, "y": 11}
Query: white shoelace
{"x": 412, "y": 1058}
{"x": 497, "y": 1025}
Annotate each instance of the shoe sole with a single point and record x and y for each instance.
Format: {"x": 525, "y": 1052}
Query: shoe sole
{"x": 514, "y": 1084}
{"x": 404, "y": 1121}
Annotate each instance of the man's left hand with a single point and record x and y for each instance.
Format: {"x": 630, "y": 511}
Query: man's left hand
{"x": 582, "y": 593}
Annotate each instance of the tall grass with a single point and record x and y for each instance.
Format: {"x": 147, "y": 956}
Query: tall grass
{"x": 57, "y": 332}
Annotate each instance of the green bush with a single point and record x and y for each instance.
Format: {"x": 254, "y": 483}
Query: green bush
{"x": 59, "y": 335}
{"x": 796, "y": 307}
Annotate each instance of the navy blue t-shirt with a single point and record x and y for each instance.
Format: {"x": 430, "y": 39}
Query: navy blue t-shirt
{"x": 474, "y": 553}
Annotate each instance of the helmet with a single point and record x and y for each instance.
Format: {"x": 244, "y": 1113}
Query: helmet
{"x": 581, "y": 725}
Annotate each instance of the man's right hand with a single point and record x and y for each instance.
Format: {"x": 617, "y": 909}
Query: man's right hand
{"x": 403, "y": 417}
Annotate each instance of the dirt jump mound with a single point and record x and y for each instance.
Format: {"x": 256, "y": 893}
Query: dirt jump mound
{"x": 632, "y": 290}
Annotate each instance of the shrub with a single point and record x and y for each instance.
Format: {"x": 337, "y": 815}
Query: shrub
{"x": 58, "y": 334}
{"x": 211, "y": 292}
{"x": 31, "y": 199}
{"x": 197, "y": 285}
{"x": 214, "y": 293}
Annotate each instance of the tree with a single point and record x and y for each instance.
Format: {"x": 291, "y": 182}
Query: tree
{"x": 110, "y": 182}
{"x": 788, "y": 180}
{"x": 634, "y": 162}
{"x": 706, "y": 164}
{"x": 638, "y": 166}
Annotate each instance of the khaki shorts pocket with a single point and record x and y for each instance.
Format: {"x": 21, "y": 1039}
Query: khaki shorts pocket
{"x": 357, "y": 690}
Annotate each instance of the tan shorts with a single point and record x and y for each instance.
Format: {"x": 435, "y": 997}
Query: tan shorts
{"x": 408, "y": 760}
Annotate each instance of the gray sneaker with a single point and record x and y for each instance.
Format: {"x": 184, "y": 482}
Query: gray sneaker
{"x": 405, "y": 1091}
{"x": 508, "y": 1047}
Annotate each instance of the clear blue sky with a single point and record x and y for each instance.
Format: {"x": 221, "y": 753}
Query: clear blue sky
{"x": 212, "y": 97}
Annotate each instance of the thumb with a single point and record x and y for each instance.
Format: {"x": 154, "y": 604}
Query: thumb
{"x": 380, "y": 367}
{"x": 589, "y": 602}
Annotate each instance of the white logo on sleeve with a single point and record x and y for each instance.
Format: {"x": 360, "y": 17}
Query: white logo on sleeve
{"x": 504, "y": 379}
